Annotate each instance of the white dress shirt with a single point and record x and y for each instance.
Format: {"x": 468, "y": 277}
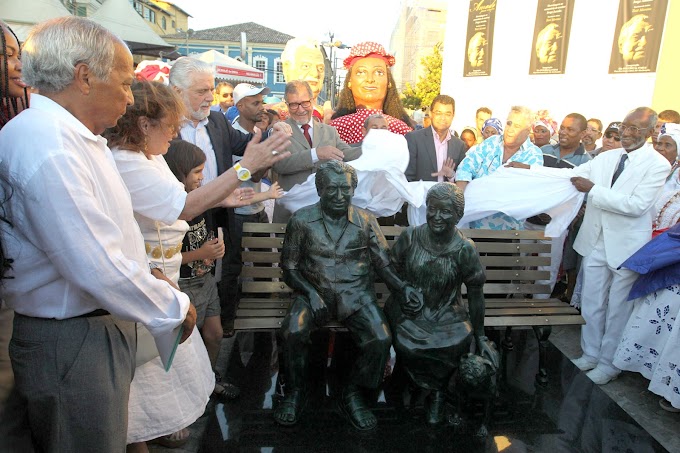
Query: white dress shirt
{"x": 315, "y": 158}
{"x": 198, "y": 135}
{"x": 74, "y": 241}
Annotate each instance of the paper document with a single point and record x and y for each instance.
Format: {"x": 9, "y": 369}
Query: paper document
{"x": 167, "y": 345}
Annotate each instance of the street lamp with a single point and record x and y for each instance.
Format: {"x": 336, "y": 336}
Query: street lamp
{"x": 188, "y": 33}
{"x": 331, "y": 44}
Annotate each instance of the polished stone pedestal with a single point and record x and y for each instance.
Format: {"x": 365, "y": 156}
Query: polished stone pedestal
{"x": 569, "y": 414}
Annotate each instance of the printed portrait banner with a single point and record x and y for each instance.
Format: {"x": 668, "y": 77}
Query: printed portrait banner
{"x": 637, "y": 37}
{"x": 479, "y": 40}
{"x": 551, "y": 37}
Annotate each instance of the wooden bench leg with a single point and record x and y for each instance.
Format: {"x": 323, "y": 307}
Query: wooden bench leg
{"x": 542, "y": 333}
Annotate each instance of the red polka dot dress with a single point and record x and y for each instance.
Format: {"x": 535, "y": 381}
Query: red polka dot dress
{"x": 350, "y": 126}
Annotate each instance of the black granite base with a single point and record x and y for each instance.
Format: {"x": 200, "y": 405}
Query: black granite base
{"x": 569, "y": 414}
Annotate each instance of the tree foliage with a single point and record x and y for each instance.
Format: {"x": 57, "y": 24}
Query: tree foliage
{"x": 429, "y": 84}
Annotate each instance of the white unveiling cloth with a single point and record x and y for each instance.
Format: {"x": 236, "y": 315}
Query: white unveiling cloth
{"x": 382, "y": 187}
{"x": 517, "y": 192}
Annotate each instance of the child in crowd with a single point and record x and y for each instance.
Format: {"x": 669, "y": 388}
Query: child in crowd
{"x": 200, "y": 248}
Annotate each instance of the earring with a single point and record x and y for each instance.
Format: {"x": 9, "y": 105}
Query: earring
{"x": 146, "y": 144}
{"x": 349, "y": 84}
{"x": 389, "y": 85}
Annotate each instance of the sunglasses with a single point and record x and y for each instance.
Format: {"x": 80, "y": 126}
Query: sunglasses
{"x": 613, "y": 135}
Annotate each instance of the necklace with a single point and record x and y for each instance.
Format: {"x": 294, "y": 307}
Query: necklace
{"x": 662, "y": 211}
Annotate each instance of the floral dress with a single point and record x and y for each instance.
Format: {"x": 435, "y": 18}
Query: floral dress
{"x": 650, "y": 341}
{"x": 350, "y": 127}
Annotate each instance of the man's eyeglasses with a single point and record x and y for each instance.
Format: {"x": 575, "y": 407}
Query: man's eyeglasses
{"x": 592, "y": 129}
{"x": 613, "y": 135}
{"x": 632, "y": 129}
{"x": 296, "y": 105}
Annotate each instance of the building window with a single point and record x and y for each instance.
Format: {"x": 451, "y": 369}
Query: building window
{"x": 81, "y": 11}
{"x": 146, "y": 13}
{"x": 138, "y": 7}
{"x": 163, "y": 22}
{"x": 152, "y": 16}
{"x": 278, "y": 78}
{"x": 174, "y": 25}
{"x": 260, "y": 63}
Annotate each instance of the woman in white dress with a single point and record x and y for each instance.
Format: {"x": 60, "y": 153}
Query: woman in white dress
{"x": 163, "y": 404}
{"x": 649, "y": 344}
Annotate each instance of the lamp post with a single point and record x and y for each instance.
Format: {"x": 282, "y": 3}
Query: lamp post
{"x": 331, "y": 44}
{"x": 188, "y": 33}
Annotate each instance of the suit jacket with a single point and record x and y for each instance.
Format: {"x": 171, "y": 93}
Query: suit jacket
{"x": 297, "y": 168}
{"x": 423, "y": 157}
{"x": 622, "y": 212}
{"x": 226, "y": 141}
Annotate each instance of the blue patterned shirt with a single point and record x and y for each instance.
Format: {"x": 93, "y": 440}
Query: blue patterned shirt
{"x": 485, "y": 159}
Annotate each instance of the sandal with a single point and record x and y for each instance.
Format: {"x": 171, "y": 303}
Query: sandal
{"x": 287, "y": 412}
{"x": 227, "y": 391}
{"x": 353, "y": 407}
{"x": 174, "y": 440}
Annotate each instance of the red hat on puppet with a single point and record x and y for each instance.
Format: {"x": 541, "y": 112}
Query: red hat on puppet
{"x": 367, "y": 49}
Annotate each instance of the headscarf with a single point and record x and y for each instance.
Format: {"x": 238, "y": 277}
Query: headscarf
{"x": 471, "y": 129}
{"x": 367, "y": 49}
{"x": 547, "y": 123}
{"x": 495, "y": 123}
{"x": 671, "y": 130}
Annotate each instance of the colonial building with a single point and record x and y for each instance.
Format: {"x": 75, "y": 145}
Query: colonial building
{"x": 263, "y": 47}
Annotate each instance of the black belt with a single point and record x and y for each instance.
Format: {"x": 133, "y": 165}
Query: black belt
{"x": 98, "y": 312}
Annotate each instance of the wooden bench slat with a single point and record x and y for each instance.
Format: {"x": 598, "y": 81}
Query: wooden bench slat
{"x": 513, "y": 321}
{"x": 261, "y": 272}
{"x": 249, "y": 305}
{"x": 261, "y": 257}
{"x": 532, "y": 311}
{"x": 509, "y": 303}
{"x": 265, "y": 287}
{"x": 261, "y": 242}
{"x": 278, "y": 228}
{"x": 519, "y": 274}
{"x": 511, "y": 261}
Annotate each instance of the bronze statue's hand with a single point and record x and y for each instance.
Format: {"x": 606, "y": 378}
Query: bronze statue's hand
{"x": 413, "y": 301}
{"x": 487, "y": 349}
{"x": 319, "y": 308}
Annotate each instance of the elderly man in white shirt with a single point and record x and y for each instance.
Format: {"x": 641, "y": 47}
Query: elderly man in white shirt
{"x": 80, "y": 276}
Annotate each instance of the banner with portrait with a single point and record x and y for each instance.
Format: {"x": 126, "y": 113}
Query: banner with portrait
{"x": 479, "y": 38}
{"x": 551, "y": 37}
{"x": 637, "y": 37}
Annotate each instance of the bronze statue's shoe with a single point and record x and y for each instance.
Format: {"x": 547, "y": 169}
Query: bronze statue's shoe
{"x": 288, "y": 410}
{"x": 434, "y": 413}
{"x": 353, "y": 407}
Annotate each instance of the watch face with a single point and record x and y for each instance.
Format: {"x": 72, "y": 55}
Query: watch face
{"x": 243, "y": 174}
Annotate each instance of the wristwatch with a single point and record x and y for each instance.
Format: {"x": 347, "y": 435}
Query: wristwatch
{"x": 243, "y": 174}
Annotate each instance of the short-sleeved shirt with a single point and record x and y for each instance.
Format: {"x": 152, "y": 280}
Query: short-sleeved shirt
{"x": 200, "y": 229}
{"x": 341, "y": 271}
{"x": 485, "y": 159}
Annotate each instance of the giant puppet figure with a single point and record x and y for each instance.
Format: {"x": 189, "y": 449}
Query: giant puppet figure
{"x": 302, "y": 60}
{"x": 369, "y": 89}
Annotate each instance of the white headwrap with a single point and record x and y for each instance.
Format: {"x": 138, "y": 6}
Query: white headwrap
{"x": 671, "y": 130}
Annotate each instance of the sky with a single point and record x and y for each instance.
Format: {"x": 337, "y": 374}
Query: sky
{"x": 351, "y": 21}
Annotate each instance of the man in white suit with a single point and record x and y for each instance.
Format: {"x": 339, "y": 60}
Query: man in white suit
{"x": 622, "y": 185}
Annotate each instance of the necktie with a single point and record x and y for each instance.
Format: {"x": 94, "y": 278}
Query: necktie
{"x": 305, "y": 132}
{"x": 619, "y": 169}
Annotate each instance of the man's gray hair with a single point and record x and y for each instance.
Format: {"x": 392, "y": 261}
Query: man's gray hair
{"x": 184, "y": 68}
{"x": 295, "y": 87}
{"x": 375, "y": 116}
{"x": 54, "y": 48}
{"x": 526, "y": 113}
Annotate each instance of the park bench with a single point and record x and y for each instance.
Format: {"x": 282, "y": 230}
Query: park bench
{"x": 510, "y": 258}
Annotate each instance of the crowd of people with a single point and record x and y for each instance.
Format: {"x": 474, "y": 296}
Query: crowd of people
{"x": 124, "y": 199}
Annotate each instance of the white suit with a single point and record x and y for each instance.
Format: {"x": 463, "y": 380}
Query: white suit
{"x": 617, "y": 222}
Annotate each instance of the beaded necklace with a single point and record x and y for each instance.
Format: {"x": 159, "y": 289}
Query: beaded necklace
{"x": 673, "y": 214}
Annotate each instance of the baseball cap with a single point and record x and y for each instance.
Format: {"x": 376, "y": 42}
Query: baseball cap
{"x": 243, "y": 90}
{"x": 614, "y": 127}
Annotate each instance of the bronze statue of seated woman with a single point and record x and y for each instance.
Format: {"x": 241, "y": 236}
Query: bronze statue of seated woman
{"x": 437, "y": 259}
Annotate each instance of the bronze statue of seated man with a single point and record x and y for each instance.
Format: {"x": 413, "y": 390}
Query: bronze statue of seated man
{"x": 437, "y": 259}
{"x": 330, "y": 254}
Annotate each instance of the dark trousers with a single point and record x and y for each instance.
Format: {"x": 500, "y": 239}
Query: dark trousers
{"x": 367, "y": 327}
{"x": 74, "y": 376}
{"x": 232, "y": 265}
